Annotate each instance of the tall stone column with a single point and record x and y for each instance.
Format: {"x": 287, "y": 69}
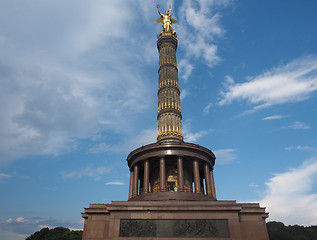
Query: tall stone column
{"x": 131, "y": 184}
{"x": 207, "y": 179}
{"x": 135, "y": 180}
{"x": 146, "y": 178}
{"x": 180, "y": 174}
{"x": 213, "y": 188}
{"x": 162, "y": 174}
{"x": 196, "y": 176}
{"x": 169, "y": 109}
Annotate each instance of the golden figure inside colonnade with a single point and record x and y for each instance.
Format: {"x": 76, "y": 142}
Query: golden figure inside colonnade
{"x": 166, "y": 20}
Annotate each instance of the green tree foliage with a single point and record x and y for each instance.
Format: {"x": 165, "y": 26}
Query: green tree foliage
{"x": 59, "y": 233}
{"x": 278, "y": 231}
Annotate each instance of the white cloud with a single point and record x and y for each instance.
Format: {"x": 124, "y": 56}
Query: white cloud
{"x": 225, "y": 156}
{"x": 184, "y": 93}
{"x": 228, "y": 81}
{"x": 65, "y": 72}
{"x": 4, "y": 176}
{"x": 145, "y": 137}
{"x": 193, "y": 137}
{"x": 95, "y": 173}
{"x": 185, "y": 69}
{"x": 190, "y": 136}
{"x": 99, "y": 148}
{"x": 289, "y": 197}
{"x": 301, "y": 148}
{"x": 199, "y": 25}
{"x": 9, "y": 220}
{"x": 115, "y": 183}
{"x": 20, "y": 219}
{"x": 273, "y": 117}
{"x": 293, "y": 82}
{"x": 299, "y": 126}
{"x": 207, "y": 108}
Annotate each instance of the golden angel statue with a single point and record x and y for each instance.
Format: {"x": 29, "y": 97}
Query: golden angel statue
{"x": 166, "y": 20}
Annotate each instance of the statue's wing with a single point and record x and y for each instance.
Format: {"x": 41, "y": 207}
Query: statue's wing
{"x": 173, "y": 20}
{"x": 159, "y": 20}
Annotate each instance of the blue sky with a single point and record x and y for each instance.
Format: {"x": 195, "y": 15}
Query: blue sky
{"x": 78, "y": 85}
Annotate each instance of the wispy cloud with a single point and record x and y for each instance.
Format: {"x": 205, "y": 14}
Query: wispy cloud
{"x": 199, "y": 26}
{"x": 95, "y": 173}
{"x": 144, "y": 137}
{"x": 301, "y": 148}
{"x": 293, "y": 82}
{"x": 4, "y": 176}
{"x": 253, "y": 185}
{"x": 185, "y": 69}
{"x": 193, "y": 137}
{"x": 184, "y": 93}
{"x": 299, "y": 126}
{"x": 289, "y": 197}
{"x": 99, "y": 148}
{"x": 115, "y": 183}
{"x": 273, "y": 117}
{"x": 225, "y": 156}
{"x": 190, "y": 136}
{"x": 207, "y": 108}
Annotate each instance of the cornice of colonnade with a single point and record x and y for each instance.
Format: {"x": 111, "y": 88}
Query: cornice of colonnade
{"x": 184, "y": 149}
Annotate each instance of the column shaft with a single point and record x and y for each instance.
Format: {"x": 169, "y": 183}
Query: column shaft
{"x": 162, "y": 174}
{"x": 146, "y": 179}
{"x": 180, "y": 174}
{"x": 213, "y": 188}
{"x": 207, "y": 179}
{"x": 196, "y": 176}
{"x": 136, "y": 180}
{"x": 131, "y": 184}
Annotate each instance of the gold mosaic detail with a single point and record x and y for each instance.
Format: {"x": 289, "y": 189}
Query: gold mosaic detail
{"x": 165, "y": 106}
{"x": 166, "y": 34}
{"x": 169, "y": 133}
{"x": 168, "y": 82}
{"x": 168, "y": 61}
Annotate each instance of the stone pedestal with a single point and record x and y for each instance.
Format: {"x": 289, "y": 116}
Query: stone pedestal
{"x": 174, "y": 219}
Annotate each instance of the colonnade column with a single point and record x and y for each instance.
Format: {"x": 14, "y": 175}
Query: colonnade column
{"x": 146, "y": 178}
{"x": 196, "y": 176}
{"x": 162, "y": 174}
{"x": 131, "y": 184}
{"x": 135, "y": 180}
{"x": 180, "y": 174}
{"x": 213, "y": 183}
{"x": 207, "y": 179}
